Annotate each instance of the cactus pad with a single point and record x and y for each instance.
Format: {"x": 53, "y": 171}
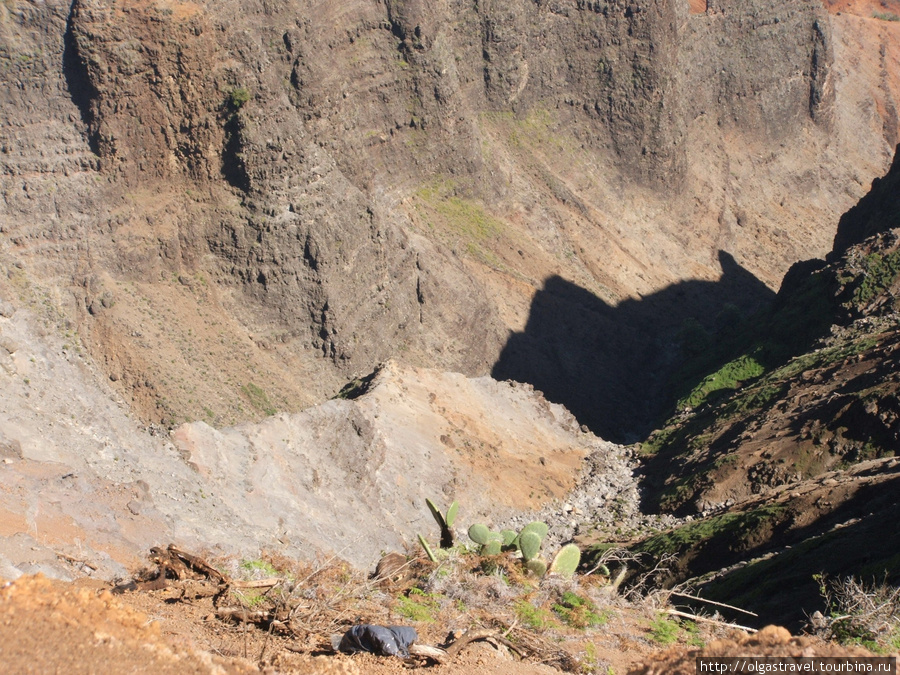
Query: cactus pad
{"x": 566, "y": 560}
{"x": 436, "y": 512}
{"x": 451, "y": 514}
{"x": 537, "y": 566}
{"x": 427, "y": 548}
{"x": 479, "y": 533}
{"x": 539, "y": 528}
{"x": 529, "y": 545}
{"x": 491, "y": 548}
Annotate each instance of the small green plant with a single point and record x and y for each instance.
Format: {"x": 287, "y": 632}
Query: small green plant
{"x": 427, "y": 548}
{"x": 692, "y": 633}
{"x": 417, "y": 605}
{"x": 886, "y": 16}
{"x": 579, "y": 612}
{"x": 591, "y": 658}
{"x": 532, "y": 616}
{"x": 664, "y": 630}
{"x": 259, "y": 566}
{"x": 238, "y": 97}
{"x": 250, "y": 599}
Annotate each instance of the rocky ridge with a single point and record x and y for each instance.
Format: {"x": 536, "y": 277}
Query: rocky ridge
{"x": 86, "y": 490}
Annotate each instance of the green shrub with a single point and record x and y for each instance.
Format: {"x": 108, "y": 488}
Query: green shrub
{"x": 418, "y": 605}
{"x": 579, "y": 612}
{"x": 664, "y": 630}
{"x": 880, "y": 273}
{"x": 533, "y": 617}
{"x": 238, "y": 98}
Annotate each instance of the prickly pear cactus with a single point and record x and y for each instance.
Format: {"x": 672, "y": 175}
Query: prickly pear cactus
{"x": 529, "y": 545}
{"x": 445, "y": 523}
{"x": 479, "y": 533}
{"x": 566, "y": 560}
{"x": 427, "y": 548}
{"x": 537, "y": 566}
{"x": 493, "y": 547}
{"x": 539, "y": 528}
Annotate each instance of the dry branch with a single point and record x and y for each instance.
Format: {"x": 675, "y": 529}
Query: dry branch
{"x": 261, "y": 583}
{"x": 694, "y": 617}
{"x": 197, "y": 564}
{"x": 713, "y": 602}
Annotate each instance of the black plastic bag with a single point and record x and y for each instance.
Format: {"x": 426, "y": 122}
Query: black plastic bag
{"x": 380, "y": 640}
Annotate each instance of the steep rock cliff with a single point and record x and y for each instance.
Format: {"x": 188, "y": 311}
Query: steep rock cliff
{"x": 285, "y": 196}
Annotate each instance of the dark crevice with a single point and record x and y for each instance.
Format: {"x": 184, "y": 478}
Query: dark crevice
{"x": 234, "y": 168}
{"x": 81, "y": 90}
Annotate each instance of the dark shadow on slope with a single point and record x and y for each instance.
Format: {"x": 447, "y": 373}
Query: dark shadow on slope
{"x": 859, "y": 538}
{"x": 611, "y": 366}
{"x": 81, "y": 90}
{"x": 876, "y": 212}
{"x": 763, "y": 558}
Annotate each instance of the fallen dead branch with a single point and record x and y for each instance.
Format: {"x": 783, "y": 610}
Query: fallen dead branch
{"x": 261, "y": 583}
{"x": 704, "y": 619}
{"x": 467, "y": 638}
{"x": 712, "y": 602}
{"x": 424, "y": 651}
{"x": 244, "y": 615}
{"x": 172, "y": 564}
{"x": 197, "y": 564}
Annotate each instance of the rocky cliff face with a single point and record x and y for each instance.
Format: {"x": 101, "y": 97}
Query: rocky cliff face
{"x": 320, "y": 188}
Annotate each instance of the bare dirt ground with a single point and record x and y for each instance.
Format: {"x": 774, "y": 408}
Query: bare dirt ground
{"x": 770, "y": 641}
{"x": 49, "y": 626}
{"x": 866, "y": 8}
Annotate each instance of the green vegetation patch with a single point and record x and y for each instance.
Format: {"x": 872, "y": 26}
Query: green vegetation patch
{"x": 418, "y": 605}
{"x": 677, "y": 494}
{"x": 880, "y": 272}
{"x": 461, "y": 222}
{"x": 258, "y": 399}
{"x": 738, "y": 528}
{"x": 464, "y": 217}
{"x": 755, "y": 398}
{"x": 664, "y": 630}
{"x": 534, "y": 617}
{"x": 728, "y": 377}
{"x": 579, "y": 612}
{"x": 262, "y": 566}
{"x": 532, "y": 131}
{"x": 237, "y": 98}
